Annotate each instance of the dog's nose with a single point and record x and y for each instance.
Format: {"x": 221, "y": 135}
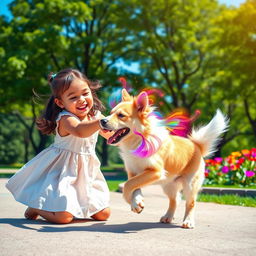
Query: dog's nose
{"x": 103, "y": 123}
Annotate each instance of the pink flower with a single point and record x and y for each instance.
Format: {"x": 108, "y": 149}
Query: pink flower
{"x": 225, "y": 169}
{"x": 218, "y": 159}
{"x": 249, "y": 173}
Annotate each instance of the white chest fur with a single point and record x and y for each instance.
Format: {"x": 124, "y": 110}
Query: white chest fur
{"x": 136, "y": 164}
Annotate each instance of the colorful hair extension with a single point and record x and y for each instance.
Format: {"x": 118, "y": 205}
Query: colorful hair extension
{"x": 115, "y": 97}
{"x": 178, "y": 123}
{"x": 153, "y": 94}
{"x": 148, "y": 147}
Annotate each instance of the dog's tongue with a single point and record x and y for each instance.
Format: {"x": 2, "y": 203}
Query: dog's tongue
{"x": 110, "y": 140}
{"x": 113, "y": 137}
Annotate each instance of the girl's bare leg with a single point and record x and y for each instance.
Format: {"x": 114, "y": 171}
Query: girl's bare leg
{"x": 30, "y": 214}
{"x": 54, "y": 217}
{"x": 102, "y": 215}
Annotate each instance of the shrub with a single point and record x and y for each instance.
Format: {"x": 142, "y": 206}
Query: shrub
{"x": 238, "y": 168}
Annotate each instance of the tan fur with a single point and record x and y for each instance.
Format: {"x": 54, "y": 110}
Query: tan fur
{"x": 178, "y": 164}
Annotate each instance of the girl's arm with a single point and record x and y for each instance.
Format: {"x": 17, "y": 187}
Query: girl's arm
{"x": 70, "y": 125}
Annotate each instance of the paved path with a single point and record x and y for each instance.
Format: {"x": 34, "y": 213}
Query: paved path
{"x": 220, "y": 230}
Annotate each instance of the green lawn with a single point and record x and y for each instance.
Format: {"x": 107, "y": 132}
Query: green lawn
{"x": 228, "y": 199}
{"x": 230, "y": 186}
{"x": 113, "y": 184}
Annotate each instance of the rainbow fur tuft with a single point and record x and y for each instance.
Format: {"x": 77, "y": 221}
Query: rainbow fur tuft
{"x": 148, "y": 147}
{"x": 116, "y": 95}
{"x": 115, "y": 98}
{"x": 178, "y": 123}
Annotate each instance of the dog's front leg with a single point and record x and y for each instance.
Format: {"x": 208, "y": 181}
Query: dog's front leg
{"x": 137, "y": 202}
{"x": 132, "y": 193}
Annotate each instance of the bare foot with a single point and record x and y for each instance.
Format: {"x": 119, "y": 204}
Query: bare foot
{"x": 30, "y": 214}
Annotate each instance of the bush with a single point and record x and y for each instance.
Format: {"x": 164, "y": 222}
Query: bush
{"x": 10, "y": 144}
{"x": 237, "y": 169}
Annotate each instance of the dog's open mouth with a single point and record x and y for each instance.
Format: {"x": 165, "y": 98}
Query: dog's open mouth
{"x": 119, "y": 134}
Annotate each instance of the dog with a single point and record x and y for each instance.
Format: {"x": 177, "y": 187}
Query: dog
{"x": 174, "y": 162}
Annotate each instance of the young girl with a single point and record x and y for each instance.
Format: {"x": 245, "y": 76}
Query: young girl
{"x": 64, "y": 180}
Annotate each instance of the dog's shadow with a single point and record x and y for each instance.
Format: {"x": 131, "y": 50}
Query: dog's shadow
{"x": 88, "y": 225}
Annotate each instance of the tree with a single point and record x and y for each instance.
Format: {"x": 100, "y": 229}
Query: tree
{"x": 49, "y": 35}
{"x": 238, "y": 39}
{"x": 172, "y": 37}
{"x": 232, "y": 73}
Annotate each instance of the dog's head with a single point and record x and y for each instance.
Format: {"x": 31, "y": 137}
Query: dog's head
{"x": 129, "y": 115}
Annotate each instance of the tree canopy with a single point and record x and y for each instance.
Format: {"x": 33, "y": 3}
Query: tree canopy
{"x": 201, "y": 54}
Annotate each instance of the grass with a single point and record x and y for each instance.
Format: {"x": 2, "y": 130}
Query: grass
{"x": 12, "y": 166}
{"x": 6, "y": 175}
{"x": 230, "y": 186}
{"x": 228, "y": 199}
{"x": 113, "y": 184}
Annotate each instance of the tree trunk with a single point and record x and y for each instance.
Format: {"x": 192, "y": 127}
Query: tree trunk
{"x": 104, "y": 154}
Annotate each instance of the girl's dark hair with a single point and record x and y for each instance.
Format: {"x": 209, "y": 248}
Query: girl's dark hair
{"x": 59, "y": 83}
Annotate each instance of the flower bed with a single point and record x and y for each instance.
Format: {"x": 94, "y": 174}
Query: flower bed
{"x": 238, "y": 168}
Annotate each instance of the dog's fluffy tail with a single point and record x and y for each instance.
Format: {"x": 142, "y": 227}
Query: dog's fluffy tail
{"x": 207, "y": 137}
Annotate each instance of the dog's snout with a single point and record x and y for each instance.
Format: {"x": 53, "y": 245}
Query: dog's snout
{"x": 104, "y": 122}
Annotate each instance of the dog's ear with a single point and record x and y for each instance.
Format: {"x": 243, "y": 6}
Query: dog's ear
{"x": 142, "y": 101}
{"x": 125, "y": 95}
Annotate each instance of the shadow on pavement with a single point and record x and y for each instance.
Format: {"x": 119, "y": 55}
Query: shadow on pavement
{"x": 127, "y": 228}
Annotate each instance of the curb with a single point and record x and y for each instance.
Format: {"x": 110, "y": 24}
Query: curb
{"x": 229, "y": 191}
{"x": 218, "y": 191}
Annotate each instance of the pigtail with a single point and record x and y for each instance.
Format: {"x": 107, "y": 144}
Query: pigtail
{"x": 47, "y": 122}
{"x": 97, "y": 104}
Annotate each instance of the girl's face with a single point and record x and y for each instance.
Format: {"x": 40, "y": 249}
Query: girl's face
{"x": 77, "y": 99}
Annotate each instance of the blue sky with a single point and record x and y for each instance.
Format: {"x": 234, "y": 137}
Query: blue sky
{"x": 4, "y": 3}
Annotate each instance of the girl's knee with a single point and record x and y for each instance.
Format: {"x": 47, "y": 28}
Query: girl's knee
{"x": 63, "y": 217}
{"x": 102, "y": 215}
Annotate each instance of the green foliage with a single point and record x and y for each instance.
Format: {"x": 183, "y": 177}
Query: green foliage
{"x": 10, "y": 145}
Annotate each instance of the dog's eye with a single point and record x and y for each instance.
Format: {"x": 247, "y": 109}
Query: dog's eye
{"x": 120, "y": 115}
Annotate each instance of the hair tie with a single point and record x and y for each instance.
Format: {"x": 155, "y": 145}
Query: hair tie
{"x": 54, "y": 75}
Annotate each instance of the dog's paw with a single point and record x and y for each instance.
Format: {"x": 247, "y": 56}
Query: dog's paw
{"x": 137, "y": 204}
{"x": 188, "y": 224}
{"x": 166, "y": 218}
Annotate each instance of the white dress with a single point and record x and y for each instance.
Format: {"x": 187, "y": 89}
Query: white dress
{"x": 64, "y": 177}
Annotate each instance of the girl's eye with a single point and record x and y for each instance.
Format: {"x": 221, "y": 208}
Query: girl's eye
{"x": 73, "y": 98}
{"x": 120, "y": 115}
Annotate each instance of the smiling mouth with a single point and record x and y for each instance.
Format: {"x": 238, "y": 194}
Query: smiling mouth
{"x": 119, "y": 134}
{"x": 83, "y": 107}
